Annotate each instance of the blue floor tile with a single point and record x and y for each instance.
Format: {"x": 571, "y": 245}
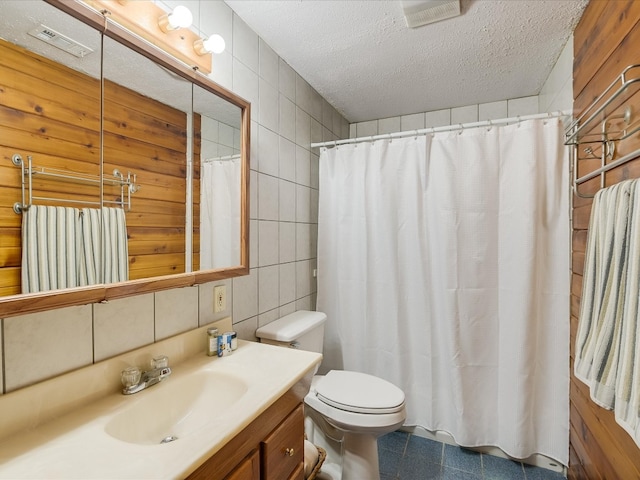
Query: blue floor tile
{"x": 417, "y": 468}
{"x": 496, "y": 468}
{"x": 394, "y": 441}
{"x": 462, "y": 459}
{"x": 538, "y": 473}
{"x": 389, "y": 462}
{"x": 429, "y": 450}
{"x": 409, "y": 457}
{"x": 449, "y": 473}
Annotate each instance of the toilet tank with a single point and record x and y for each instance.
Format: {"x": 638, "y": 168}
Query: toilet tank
{"x": 302, "y": 329}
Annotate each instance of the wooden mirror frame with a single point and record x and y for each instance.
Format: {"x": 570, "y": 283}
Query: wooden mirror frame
{"x": 37, "y": 302}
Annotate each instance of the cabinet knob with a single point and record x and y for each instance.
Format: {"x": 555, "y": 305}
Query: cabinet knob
{"x": 289, "y": 452}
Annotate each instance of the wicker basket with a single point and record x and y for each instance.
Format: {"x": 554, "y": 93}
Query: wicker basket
{"x": 322, "y": 454}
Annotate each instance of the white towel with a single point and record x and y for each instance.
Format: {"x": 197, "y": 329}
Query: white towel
{"x": 50, "y": 239}
{"x": 604, "y": 277}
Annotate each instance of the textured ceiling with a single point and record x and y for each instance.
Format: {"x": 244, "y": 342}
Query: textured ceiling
{"x": 361, "y": 57}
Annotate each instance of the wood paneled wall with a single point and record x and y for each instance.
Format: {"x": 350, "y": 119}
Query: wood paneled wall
{"x": 605, "y": 41}
{"x": 148, "y": 138}
{"x": 58, "y": 123}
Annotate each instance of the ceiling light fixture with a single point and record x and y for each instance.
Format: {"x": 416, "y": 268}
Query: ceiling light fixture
{"x": 180, "y": 17}
{"x": 214, "y": 44}
{"x": 165, "y": 29}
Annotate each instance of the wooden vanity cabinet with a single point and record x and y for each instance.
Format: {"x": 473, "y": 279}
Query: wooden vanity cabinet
{"x": 283, "y": 449}
{"x": 269, "y": 448}
{"x": 249, "y": 468}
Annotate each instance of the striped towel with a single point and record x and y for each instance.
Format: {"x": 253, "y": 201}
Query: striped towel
{"x": 50, "y": 239}
{"x": 627, "y": 393}
{"x": 603, "y": 290}
{"x": 90, "y": 259}
{"x": 116, "y": 250}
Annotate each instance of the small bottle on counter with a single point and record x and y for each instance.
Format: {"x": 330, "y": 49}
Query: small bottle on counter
{"x": 212, "y": 341}
{"x": 224, "y": 344}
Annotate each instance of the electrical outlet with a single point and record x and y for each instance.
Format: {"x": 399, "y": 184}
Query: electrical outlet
{"x": 219, "y": 298}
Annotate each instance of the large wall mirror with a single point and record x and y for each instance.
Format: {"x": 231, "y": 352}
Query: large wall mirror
{"x": 122, "y": 170}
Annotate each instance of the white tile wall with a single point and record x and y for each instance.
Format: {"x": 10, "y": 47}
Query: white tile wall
{"x": 42, "y": 345}
{"x": 269, "y": 64}
{"x": 522, "y": 106}
{"x": 245, "y": 43}
{"x": 114, "y": 332}
{"x": 557, "y": 92}
{"x": 245, "y": 296}
{"x": 269, "y": 105}
{"x": 438, "y": 118}
{"x": 176, "y": 311}
{"x": 412, "y": 122}
{"x": 468, "y": 114}
{"x": 287, "y": 170}
{"x": 493, "y": 110}
{"x": 287, "y": 201}
{"x": 269, "y": 151}
{"x": 268, "y": 249}
{"x": 389, "y": 125}
{"x": 268, "y": 288}
{"x": 448, "y": 116}
{"x": 287, "y": 240}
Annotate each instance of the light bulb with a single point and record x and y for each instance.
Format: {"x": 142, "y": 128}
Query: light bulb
{"x": 180, "y": 17}
{"x": 214, "y": 44}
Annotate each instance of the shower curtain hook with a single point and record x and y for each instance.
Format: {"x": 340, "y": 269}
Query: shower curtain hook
{"x": 461, "y": 128}
{"x": 490, "y": 126}
{"x": 519, "y": 120}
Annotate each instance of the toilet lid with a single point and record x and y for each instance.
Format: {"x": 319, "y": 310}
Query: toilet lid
{"x": 359, "y": 392}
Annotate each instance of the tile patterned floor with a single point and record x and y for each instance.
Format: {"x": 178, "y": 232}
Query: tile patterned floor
{"x": 409, "y": 457}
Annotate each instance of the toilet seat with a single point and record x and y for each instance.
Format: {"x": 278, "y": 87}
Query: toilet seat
{"x": 359, "y": 393}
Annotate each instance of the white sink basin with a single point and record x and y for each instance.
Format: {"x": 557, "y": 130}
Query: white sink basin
{"x": 174, "y": 408}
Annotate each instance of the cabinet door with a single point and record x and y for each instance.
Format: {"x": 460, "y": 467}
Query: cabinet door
{"x": 248, "y": 469}
{"x": 298, "y": 473}
{"x": 283, "y": 449}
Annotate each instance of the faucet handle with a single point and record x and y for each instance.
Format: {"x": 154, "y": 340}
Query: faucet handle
{"x": 160, "y": 361}
{"x": 130, "y": 376}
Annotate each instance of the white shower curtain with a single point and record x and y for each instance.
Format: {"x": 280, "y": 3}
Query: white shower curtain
{"x": 443, "y": 267}
{"x": 220, "y": 213}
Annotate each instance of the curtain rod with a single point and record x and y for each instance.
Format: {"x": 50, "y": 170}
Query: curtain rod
{"x": 447, "y": 128}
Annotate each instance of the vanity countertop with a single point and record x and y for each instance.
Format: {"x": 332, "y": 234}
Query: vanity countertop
{"x": 76, "y": 445}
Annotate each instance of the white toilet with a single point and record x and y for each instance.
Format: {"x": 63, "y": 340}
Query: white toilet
{"x": 345, "y": 412}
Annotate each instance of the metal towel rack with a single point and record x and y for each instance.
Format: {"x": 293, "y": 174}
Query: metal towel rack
{"x": 127, "y": 184}
{"x": 614, "y": 127}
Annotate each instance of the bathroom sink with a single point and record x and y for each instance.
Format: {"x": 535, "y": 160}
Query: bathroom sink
{"x": 175, "y": 407}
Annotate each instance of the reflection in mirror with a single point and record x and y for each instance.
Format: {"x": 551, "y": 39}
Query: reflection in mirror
{"x": 147, "y": 117}
{"x": 217, "y": 181}
{"x": 50, "y": 123}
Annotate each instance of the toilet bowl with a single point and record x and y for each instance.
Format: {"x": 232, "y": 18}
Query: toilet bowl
{"x": 345, "y": 411}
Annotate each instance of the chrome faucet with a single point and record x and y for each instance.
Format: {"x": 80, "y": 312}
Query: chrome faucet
{"x": 133, "y": 381}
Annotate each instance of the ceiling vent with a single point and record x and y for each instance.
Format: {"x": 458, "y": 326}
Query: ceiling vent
{"x": 58, "y": 40}
{"x": 422, "y": 12}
